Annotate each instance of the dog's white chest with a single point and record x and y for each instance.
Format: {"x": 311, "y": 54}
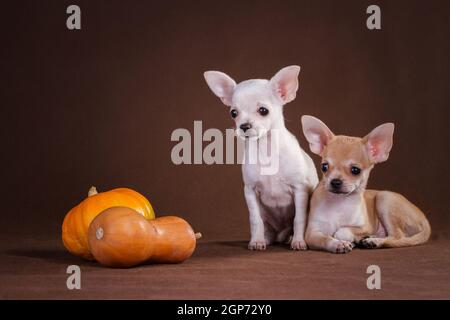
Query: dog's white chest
{"x": 336, "y": 212}
{"x": 274, "y": 191}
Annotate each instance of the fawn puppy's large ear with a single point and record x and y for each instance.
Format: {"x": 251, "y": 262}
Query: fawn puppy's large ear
{"x": 379, "y": 142}
{"x": 285, "y": 84}
{"x": 221, "y": 84}
{"x": 317, "y": 134}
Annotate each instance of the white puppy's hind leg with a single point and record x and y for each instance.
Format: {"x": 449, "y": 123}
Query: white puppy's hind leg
{"x": 284, "y": 236}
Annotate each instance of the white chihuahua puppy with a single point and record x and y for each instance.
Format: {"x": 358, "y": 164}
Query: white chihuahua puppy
{"x": 277, "y": 202}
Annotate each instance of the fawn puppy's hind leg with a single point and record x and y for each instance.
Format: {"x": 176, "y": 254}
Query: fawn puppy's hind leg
{"x": 405, "y": 224}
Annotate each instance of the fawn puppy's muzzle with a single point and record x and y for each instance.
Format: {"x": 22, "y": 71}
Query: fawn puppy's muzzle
{"x": 336, "y": 184}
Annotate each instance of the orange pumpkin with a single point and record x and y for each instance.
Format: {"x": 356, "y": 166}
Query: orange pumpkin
{"x": 119, "y": 237}
{"x": 77, "y": 221}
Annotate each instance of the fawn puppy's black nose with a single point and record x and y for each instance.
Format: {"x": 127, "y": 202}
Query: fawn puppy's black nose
{"x": 336, "y": 183}
{"x": 245, "y": 126}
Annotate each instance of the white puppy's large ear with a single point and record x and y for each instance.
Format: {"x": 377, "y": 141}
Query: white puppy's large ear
{"x": 285, "y": 84}
{"x": 317, "y": 134}
{"x": 221, "y": 84}
{"x": 379, "y": 142}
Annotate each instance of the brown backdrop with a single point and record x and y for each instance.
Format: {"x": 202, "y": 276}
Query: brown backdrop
{"x": 98, "y": 106}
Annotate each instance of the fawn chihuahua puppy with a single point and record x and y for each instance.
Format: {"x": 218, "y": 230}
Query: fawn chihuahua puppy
{"x": 277, "y": 201}
{"x": 343, "y": 213}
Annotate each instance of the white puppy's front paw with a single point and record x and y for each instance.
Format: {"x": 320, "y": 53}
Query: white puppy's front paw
{"x": 343, "y": 247}
{"x": 257, "y": 245}
{"x": 299, "y": 245}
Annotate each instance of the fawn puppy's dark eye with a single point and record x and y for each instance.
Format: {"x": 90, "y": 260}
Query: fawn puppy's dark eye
{"x": 324, "y": 167}
{"x": 355, "y": 170}
{"x": 263, "y": 111}
{"x": 234, "y": 113}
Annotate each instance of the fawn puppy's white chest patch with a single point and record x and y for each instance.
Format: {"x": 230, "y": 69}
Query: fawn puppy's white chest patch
{"x": 337, "y": 211}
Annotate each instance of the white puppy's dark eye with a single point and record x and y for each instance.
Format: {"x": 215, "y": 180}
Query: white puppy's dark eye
{"x": 355, "y": 170}
{"x": 324, "y": 167}
{"x": 263, "y": 111}
{"x": 234, "y": 113}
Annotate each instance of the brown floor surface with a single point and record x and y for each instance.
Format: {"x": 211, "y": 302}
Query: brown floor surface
{"x": 34, "y": 268}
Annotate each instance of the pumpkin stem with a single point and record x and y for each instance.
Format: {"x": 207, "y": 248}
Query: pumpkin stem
{"x": 92, "y": 191}
{"x": 198, "y": 235}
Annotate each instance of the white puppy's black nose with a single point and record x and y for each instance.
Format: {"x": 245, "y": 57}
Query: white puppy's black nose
{"x": 336, "y": 184}
{"x": 245, "y": 126}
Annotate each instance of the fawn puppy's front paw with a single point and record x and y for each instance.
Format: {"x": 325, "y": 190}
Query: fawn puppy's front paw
{"x": 368, "y": 243}
{"x": 299, "y": 245}
{"x": 342, "y": 247}
{"x": 257, "y": 245}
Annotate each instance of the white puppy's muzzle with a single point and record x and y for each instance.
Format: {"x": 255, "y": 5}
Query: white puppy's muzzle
{"x": 251, "y": 134}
